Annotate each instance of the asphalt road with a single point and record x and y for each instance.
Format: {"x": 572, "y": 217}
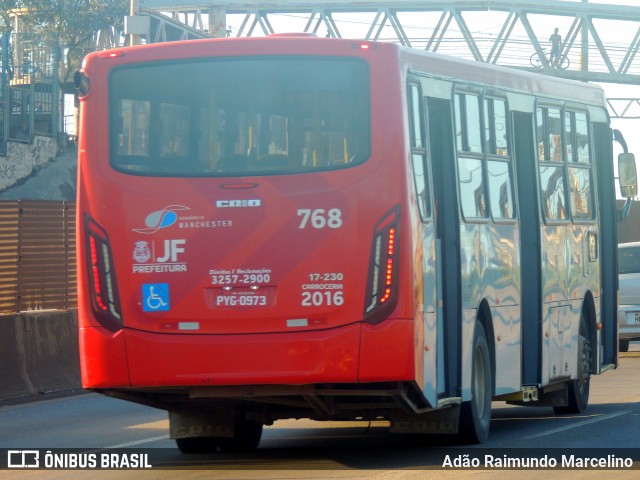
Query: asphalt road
{"x": 305, "y": 449}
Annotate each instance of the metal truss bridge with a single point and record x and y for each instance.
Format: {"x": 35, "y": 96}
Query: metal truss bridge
{"x": 600, "y": 42}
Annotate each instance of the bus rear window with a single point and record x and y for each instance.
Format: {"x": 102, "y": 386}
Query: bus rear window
{"x": 249, "y": 116}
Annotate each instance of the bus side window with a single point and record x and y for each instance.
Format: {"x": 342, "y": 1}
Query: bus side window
{"x": 499, "y": 176}
{"x": 495, "y": 126}
{"x": 551, "y": 161}
{"x": 471, "y": 187}
{"x": 549, "y": 134}
{"x": 499, "y": 184}
{"x": 552, "y": 190}
{"x": 468, "y": 138}
{"x": 418, "y": 149}
{"x": 470, "y": 159}
{"x": 579, "y": 165}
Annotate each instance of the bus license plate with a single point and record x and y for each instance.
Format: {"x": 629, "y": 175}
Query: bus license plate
{"x": 637, "y": 317}
{"x": 239, "y": 298}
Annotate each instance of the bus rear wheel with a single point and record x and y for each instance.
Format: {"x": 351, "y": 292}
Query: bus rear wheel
{"x": 246, "y": 437}
{"x": 578, "y": 389}
{"x": 475, "y": 415}
{"x": 623, "y": 345}
{"x": 198, "y": 444}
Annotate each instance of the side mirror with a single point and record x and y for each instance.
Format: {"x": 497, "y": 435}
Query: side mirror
{"x": 81, "y": 83}
{"x": 627, "y": 175}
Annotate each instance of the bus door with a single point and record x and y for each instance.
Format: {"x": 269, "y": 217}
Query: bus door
{"x": 608, "y": 242}
{"x": 448, "y": 285}
{"x": 430, "y": 278}
{"x": 530, "y": 247}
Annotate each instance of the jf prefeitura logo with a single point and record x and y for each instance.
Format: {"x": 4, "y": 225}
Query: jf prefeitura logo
{"x": 69, "y": 460}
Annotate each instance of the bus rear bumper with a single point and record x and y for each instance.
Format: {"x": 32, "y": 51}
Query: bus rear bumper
{"x": 349, "y": 354}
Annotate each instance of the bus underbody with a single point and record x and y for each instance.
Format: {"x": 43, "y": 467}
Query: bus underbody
{"x": 203, "y": 419}
{"x": 215, "y": 411}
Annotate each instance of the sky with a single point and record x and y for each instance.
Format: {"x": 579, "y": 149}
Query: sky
{"x": 629, "y": 128}
{"x": 616, "y": 35}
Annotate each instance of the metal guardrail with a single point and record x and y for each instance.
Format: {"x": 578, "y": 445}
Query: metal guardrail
{"x": 37, "y": 255}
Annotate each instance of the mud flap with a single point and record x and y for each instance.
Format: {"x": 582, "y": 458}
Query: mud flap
{"x": 192, "y": 423}
{"x": 443, "y": 421}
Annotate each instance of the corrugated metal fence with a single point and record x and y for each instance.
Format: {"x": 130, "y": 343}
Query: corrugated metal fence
{"x": 37, "y": 255}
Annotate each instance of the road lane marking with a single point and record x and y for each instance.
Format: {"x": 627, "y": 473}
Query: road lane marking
{"x": 155, "y": 425}
{"x": 576, "y": 425}
{"x": 139, "y": 442}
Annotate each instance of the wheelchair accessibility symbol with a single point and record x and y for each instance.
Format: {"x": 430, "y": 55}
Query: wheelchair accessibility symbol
{"x": 155, "y": 297}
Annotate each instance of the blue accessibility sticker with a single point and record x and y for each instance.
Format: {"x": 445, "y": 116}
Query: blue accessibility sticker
{"x": 155, "y": 297}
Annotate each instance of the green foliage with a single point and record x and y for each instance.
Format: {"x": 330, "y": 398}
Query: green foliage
{"x": 70, "y": 18}
{"x": 69, "y": 26}
{"x": 5, "y": 7}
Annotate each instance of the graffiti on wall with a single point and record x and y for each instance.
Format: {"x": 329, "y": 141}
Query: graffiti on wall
{"x": 23, "y": 159}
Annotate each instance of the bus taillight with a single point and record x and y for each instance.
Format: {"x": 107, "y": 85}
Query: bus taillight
{"x": 101, "y": 276}
{"x": 382, "y": 279}
{"x": 388, "y": 279}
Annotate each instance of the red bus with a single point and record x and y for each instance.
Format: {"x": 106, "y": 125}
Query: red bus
{"x": 301, "y": 227}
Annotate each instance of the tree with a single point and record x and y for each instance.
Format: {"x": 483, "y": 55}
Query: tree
{"x": 68, "y": 27}
{"x": 5, "y": 7}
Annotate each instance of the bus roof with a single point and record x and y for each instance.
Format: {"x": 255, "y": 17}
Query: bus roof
{"x": 457, "y": 69}
{"x": 428, "y": 63}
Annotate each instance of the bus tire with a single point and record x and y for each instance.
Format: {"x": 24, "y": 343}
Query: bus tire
{"x": 623, "y": 345}
{"x": 475, "y": 415}
{"x": 198, "y": 444}
{"x": 247, "y": 434}
{"x": 578, "y": 389}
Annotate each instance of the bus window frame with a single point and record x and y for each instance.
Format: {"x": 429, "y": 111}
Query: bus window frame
{"x": 484, "y": 157}
{"x": 414, "y": 149}
{"x": 575, "y": 163}
{"x": 508, "y": 159}
{"x": 462, "y": 90}
{"x": 565, "y": 163}
{"x": 545, "y": 104}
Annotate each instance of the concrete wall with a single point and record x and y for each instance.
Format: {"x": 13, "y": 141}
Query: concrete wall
{"x": 24, "y": 158}
{"x": 38, "y": 354}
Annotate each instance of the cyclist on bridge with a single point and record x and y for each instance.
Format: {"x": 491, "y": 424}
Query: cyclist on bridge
{"x": 555, "y": 40}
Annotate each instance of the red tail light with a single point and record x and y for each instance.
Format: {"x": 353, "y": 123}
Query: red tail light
{"x": 102, "y": 278}
{"x": 382, "y": 283}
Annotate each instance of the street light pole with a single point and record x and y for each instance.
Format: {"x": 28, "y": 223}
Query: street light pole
{"x": 134, "y": 9}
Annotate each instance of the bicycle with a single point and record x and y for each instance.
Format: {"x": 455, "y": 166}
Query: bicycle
{"x": 562, "y": 62}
